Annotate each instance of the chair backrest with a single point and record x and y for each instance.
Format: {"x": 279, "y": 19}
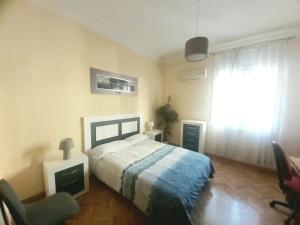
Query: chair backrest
{"x": 13, "y": 203}
{"x": 284, "y": 170}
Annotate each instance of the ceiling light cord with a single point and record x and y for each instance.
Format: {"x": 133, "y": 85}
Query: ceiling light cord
{"x": 197, "y": 18}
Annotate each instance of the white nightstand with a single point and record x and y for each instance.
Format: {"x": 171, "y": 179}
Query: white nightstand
{"x": 156, "y": 135}
{"x": 70, "y": 175}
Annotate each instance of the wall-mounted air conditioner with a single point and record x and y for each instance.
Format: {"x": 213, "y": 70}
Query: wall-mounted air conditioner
{"x": 194, "y": 74}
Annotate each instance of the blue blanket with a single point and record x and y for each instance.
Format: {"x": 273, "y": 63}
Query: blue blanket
{"x": 176, "y": 190}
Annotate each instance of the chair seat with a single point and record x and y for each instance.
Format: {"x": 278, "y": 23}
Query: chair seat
{"x": 294, "y": 183}
{"x": 52, "y": 210}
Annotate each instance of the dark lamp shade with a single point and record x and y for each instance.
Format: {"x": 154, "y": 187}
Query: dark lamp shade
{"x": 196, "y": 49}
{"x": 66, "y": 144}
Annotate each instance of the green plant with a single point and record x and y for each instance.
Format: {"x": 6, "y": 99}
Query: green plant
{"x": 166, "y": 117}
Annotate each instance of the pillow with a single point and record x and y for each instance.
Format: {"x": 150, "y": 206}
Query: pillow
{"x": 100, "y": 151}
{"x": 137, "y": 138}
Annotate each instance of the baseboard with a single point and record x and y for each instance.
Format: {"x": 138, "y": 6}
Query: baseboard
{"x": 259, "y": 168}
{"x": 34, "y": 198}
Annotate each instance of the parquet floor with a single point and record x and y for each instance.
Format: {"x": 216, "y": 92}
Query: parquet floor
{"x": 238, "y": 195}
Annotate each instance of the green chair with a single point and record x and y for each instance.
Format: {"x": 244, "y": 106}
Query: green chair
{"x": 53, "y": 210}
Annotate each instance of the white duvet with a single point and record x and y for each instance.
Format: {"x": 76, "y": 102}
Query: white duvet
{"x": 109, "y": 168}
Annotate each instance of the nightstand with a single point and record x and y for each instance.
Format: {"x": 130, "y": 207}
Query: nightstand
{"x": 71, "y": 175}
{"x": 156, "y": 135}
{"x": 193, "y": 135}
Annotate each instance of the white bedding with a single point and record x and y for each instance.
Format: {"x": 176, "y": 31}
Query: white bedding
{"x": 163, "y": 181}
{"x": 109, "y": 169}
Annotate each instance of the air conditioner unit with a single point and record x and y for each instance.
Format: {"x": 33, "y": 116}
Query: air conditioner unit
{"x": 195, "y": 74}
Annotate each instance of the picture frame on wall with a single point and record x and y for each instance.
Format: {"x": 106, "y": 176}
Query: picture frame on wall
{"x": 108, "y": 83}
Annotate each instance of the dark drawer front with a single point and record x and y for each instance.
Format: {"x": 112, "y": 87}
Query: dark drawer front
{"x": 70, "y": 180}
{"x": 157, "y": 137}
{"x": 190, "y": 139}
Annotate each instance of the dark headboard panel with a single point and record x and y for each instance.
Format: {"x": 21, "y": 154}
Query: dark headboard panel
{"x": 101, "y": 130}
{"x": 119, "y": 135}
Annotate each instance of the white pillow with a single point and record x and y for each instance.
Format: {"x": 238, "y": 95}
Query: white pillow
{"x": 137, "y": 138}
{"x": 100, "y": 151}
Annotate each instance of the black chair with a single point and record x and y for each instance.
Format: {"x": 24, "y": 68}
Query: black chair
{"x": 53, "y": 210}
{"x": 286, "y": 177}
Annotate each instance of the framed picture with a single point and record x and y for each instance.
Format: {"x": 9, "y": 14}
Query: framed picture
{"x": 104, "y": 82}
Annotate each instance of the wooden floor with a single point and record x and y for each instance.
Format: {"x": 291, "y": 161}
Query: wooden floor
{"x": 238, "y": 195}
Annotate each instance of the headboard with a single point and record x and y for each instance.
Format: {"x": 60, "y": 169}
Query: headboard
{"x": 104, "y": 129}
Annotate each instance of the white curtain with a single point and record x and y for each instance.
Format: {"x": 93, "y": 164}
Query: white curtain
{"x": 247, "y": 102}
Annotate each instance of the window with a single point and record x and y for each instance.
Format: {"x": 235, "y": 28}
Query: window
{"x": 248, "y": 86}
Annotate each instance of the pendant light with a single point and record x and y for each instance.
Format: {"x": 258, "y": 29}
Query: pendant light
{"x": 196, "y": 48}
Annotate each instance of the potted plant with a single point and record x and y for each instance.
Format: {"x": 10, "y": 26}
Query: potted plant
{"x": 166, "y": 117}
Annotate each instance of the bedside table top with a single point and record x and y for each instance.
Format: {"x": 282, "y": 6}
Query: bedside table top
{"x": 57, "y": 161}
{"x": 193, "y": 121}
{"x": 154, "y": 131}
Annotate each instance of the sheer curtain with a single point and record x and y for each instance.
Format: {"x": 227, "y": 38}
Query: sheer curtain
{"x": 247, "y": 102}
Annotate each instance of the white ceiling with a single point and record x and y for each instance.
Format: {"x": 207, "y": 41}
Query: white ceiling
{"x": 157, "y": 28}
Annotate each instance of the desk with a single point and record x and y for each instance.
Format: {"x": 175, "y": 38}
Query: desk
{"x": 295, "y": 163}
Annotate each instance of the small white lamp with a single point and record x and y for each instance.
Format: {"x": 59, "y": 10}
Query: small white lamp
{"x": 66, "y": 145}
{"x": 150, "y": 125}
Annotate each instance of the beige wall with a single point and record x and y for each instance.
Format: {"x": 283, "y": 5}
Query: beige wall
{"x": 291, "y": 123}
{"x": 192, "y": 99}
{"x": 45, "y": 89}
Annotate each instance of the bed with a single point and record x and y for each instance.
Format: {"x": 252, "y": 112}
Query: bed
{"x": 163, "y": 181}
